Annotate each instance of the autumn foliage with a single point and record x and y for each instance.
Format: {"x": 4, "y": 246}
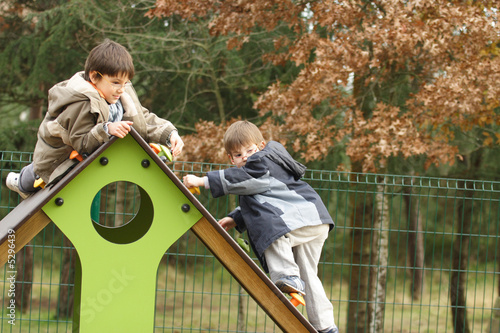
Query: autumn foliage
{"x": 383, "y": 78}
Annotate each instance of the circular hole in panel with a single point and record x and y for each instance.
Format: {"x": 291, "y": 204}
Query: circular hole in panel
{"x": 116, "y": 204}
{"x": 122, "y": 212}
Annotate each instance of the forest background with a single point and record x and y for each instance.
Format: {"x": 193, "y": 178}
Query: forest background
{"x": 380, "y": 86}
{"x": 387, "y": 87}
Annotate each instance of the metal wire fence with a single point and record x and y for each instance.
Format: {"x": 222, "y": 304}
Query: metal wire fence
{"x": 408, "y": 254}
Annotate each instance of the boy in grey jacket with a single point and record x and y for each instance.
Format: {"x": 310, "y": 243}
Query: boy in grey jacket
{"x": 286, "y": 220}
{"x": 85, "y": 111}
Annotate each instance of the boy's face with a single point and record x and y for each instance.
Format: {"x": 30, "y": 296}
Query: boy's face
{"x": 112, "y": 87}
{"x": 239, "y": 156}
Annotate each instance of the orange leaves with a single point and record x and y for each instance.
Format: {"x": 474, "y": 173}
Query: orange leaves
{"x": 187, "y": 9}
{"x": 238, "y": 16}
{"x": 386, "y": 134}
{"x": 491, "y": 139}
{"x": 206, "y": 145}
{"x": 236, "y": 42}
{"x": 423, "y": 70}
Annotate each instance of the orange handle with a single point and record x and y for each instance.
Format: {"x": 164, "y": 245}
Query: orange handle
{"x": 74, "y": 154}
{"x": 297, "y": 299}
{"x": 156, "y": 147}
{"x": 161, "y": 150}
{"x": 195, "y": 190}
{"x": 39, "y": 183}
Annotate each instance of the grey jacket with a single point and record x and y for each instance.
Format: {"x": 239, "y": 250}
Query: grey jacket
{"x": 75, "y": 121}
{"x": 273, "y": 200}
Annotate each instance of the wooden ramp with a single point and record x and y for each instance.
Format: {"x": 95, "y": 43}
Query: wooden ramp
{"x": 31, "y": 216}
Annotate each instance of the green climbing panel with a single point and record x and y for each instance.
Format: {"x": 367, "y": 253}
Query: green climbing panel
{"x": 117, "y": 282}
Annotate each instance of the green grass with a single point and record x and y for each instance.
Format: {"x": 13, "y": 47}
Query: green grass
{"x": 39, "y": 315}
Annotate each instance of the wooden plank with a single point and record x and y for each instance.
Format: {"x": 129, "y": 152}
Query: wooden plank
{"x": 26, "y": 220}
{"x": 252, "y": 278}
{"x": 23, "y": 235}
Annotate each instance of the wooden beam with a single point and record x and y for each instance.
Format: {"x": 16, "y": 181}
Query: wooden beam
{"x": 23, "y": 235}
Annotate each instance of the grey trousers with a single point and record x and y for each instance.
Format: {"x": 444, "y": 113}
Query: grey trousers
{"x": 298, "y": 253}
{"x": 27, "y": 179}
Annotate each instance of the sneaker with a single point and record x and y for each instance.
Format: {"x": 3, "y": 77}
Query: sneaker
{"x": 291, "y": 284}
{"x": 12, "y": 183}
{"x": 333, "y": 329}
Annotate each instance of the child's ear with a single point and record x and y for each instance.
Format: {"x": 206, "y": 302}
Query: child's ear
{"x": 262, "y": 145}
{"x": 92, "y": 76}
{"x": 231, "y": 158}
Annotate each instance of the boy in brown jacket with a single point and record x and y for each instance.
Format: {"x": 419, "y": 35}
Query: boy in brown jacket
{"x": 85, "y": 111}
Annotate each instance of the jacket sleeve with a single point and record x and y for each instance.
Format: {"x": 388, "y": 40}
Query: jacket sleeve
{"x": 238, "y": 218}
{"x": 79, "y": 128}
{"x": 156, "y": 129}
{"x": 251, "y": 179}
{"x": 159, "y": 129}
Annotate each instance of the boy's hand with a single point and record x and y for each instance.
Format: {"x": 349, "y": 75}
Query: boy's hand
{"x": 177, "y": 143}
{"x": 120, "y": 128}
{"x": 193, "y": 181}
{"x": 227, "y": 223}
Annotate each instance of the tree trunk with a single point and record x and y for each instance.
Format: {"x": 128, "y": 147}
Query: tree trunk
{"x": 241, "y": 310}
{"x": 119, "y": 204}
{"x": 36, "y": 110}
{"x": 66, "y": 288}
{"x": 24, "y": 278}
{"x": 379, "y": 258}
{"x": 460, "y": 262}
{"x": 415, "y": 243}
{"x": 361, "y": 221}
{"x": 218, "y": 98}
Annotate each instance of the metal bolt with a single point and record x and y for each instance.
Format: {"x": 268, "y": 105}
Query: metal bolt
{"x": 145, "y": 163}
{"x": 59, "y": 201}
{"x": 103, "y": 160}
{"x": 185, "y": 208}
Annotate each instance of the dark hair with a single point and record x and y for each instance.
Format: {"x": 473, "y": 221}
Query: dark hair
{"x": 240, "y": 134}
{"x": 109, "y": 58}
